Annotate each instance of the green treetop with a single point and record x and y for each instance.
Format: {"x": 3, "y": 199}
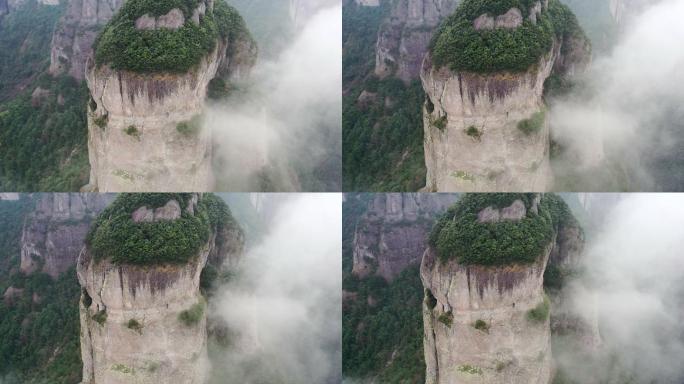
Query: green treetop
{"x": 458, "y": 45}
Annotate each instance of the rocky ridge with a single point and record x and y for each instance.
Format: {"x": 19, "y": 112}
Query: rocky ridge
{"x": 145, "y": 129}
{"x": 489, "y": 132}
{"x": 491, "y": 323}
{"x": 53, "y": 234}
{"x": 72, "y": 41}
{"x": 391, "y": 234}
{"x": 148, "y": 324}
{"x": 403, "y": 39}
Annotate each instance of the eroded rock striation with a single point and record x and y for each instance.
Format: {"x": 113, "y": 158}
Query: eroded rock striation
{"x": 404, "y": 37}
{"x": 144, "y": 320}
{"x": 54, "y": 232}
{"x": 145, "y": 115}
{"x": 391, "y": 235}
{"x": 486, "y": 316}
{"x": 485, "y": 123}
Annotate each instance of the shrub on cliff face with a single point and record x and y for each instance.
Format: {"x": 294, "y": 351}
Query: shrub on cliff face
{"x": 115, "y": 235}
{"x": 458, "y": 234}
{"x": 124, "y": 47}
{"x": 458, "y": 45}
{"x": 540, "y": 313}
{"x": 193, "y": 315}
{"x": 534, "y": 124}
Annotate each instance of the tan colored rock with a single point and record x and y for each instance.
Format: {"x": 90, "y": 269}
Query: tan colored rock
{"x": 510, "y": 348}
{"x": 483, "y": 22}
{"x": 503, "y": 158}
{"x": 174, "y": 19}
{"x": 160, "y": 157}
{"x": 163, "y": 349}
{"x": 509, "y": 20}
{"x": 169, "y": 212}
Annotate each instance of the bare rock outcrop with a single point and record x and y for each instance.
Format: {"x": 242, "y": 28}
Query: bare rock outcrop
{"x": 404, "y": 37}
{"x": 476, "y": 323}
{"x": 487, "y": 132}
{"x": 130, "y": 330}
{"x": 148, "y": 323}
{"x": 392, "y": 234}
{"x": 145, "y": 129}
{"x": 54, "y": 232}
{"x": 72, "y": 41}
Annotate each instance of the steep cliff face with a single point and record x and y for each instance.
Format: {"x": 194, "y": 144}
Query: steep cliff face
{"x": 489, "y": 322}
{"x": 54, "y": 232}
{"x": 145, "y": 124}
{"x": 507, "y": 347}
{"x": 75, "y": 34}
{"x": 488, "y": 131}
{"x": 404, "y": 37}
{"x": 391, "y": 235}
{"x": 145, "y": 321}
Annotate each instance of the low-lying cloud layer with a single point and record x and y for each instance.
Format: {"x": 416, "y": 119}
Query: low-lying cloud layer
{"x": 284, "y": 132}
{"x": 631, "y": 114}
{"x": 284, "y": 309}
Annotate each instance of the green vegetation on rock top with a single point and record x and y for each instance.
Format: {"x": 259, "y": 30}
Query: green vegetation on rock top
{"x": 458, "y": 45}
{"x": 115, "y": 235}
{"x": 124, "y": 47}
{"x": 458, "y": 234}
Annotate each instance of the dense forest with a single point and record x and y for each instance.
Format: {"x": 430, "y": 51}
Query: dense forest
{"x": 32, "y": 352}
{"x": 382, "y": 118}
{"x": 43, "y": 128}
{"x": 382, "y": 325}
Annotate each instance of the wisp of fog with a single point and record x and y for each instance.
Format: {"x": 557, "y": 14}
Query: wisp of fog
{"x": 285, "y": 308}
{"x": 632, "y": 113}
{"x": 634, "y": 288}
{"x": 283, "y": 132}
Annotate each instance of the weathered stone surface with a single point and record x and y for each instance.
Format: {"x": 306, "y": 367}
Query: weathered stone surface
{"x": 512, "y": 349}
{"x": 483, "y": 22}
{"x": 392, "y": 234}
{"x": 169, "y": 212}
{"x": 499, "y": 157}
{"x": 503, "y": 158}
{"x": 160, "y": 158}
{"x": 54, "y": 232}
{"x": 75, "y": 33}
{"x": 160, "y": 348}
{"x": 403, "y": 38}
{"x": 173, "y": 20}
{"x": 163, "y": 350}
{"x": 514, "y": 212}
